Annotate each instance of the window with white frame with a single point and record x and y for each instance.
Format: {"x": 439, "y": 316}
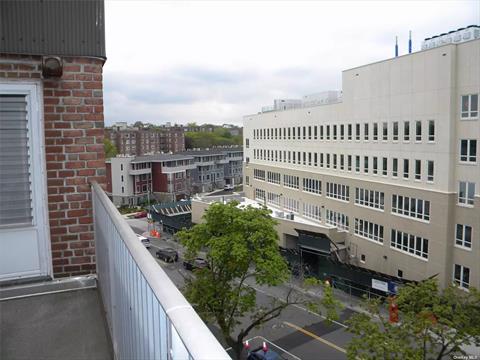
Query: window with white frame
{"x": 328, "y": 161}
{"x": 334, "y": 161}
{"x": 410, "y": 244}
{"x": 468, "y": 150}
{"x": 334, "y": 132}
{"x": 369, "y": 230}
{"x": 461, "y": 276}
{"x": 411, "y": 207}
{"x": 357, "y": 132}
{"x": 463, "y": 236}
{"x": 418, "y": 169}
{"x": 365, "y": 132}
{"x": 259, "y": 174}
{"x": 430, "y": 170}
{"x": 342, "y": 132}
{"x": 375, "y": 131}
{"x": 375, "y": 165}
{"x": 337, "y": 219}
{"x": 418, "y": 131}
{"x": 321, "y": 160}
{"x": 384, "y": 166}
{"x": 321, "y": 132}
{"x": 291, "y": 181}
{"x": 349, "y": 132}
{"x": 273, "y": 177}
{"x": 395, "y": 130}
{"x": 312, "y": 186}
{"x": 365, "y": 164}
{"x": 328, "y": 132}
{"x": 466, "y": 192}
{"x": 260, "y": 194}
{"x": 370, "y": 198}
{"x": 357, "y": 163}
{"x": 349, "y": 162}
{"x": 384, "y": 131}
{"x": 274, "y": 199}
{"x": 291, "y": 204}
{"x": 406, "y": 131}
{"x": 338, "y": 191}
{"x": 469, "y": 106}
{"x": 342, "y": 162}
{"x": 312, "y": 211}
{"x": 405, "y": 168}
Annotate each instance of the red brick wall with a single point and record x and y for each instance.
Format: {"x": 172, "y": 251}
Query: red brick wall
{"x": 159, "y": 180}
{"x": 73, "y": 121}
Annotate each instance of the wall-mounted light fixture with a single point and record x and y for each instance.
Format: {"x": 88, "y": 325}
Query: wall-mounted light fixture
{"x": 52, "y": 66}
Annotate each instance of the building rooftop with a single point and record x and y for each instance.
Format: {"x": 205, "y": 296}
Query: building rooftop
{"x": 162, "y": 157}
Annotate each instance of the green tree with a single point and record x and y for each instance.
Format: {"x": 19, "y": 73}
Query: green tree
{"x": 138, "y": 124}
{"x": 433, "y": 323}
{"x": 241, "y": 244}
{"x": 110, "y": 149}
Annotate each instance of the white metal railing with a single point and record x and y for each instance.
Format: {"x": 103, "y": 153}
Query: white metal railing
{"x": 147, "y": 315}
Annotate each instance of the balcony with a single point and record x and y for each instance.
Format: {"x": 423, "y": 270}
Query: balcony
{"x": 140, "y": 171}
{"x": 177, "y": 169}
{"x": 129, "y": 310}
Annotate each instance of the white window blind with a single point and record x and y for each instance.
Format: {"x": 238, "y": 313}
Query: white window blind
{"x": 15, "y": 179}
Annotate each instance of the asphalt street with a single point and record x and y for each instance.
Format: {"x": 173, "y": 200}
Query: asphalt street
{"x": 300, "y": 333}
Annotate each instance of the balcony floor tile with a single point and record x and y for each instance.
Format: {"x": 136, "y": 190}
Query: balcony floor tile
{"x": 68, "y": 325}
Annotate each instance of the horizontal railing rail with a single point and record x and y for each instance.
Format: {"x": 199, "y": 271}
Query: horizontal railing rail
{"x": 147, "y": 315}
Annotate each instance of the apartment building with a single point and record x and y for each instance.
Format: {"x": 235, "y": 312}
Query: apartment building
{"x": 234, "y": 168}
{"x": 131, "y": 180}
{"x": 170, "y": 177}
{"x": 390, "y": 173}
{"x": 140, "y": 141}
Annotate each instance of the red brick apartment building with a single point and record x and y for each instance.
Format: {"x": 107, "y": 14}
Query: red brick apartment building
{"x": 140, "y": 141}
{"x": 51, "y": 136}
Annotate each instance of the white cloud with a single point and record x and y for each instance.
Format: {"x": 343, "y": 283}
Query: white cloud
{"x": 217, "y": 61}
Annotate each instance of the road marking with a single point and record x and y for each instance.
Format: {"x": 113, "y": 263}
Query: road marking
{"x": 316, "y": 337}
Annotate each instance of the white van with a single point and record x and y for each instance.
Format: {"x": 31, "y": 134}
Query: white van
{"x": 144, "y": 241}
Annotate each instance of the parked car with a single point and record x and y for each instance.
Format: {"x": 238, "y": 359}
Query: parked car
{"x": 259, "y": 354}
{"x": 228, "y": 187}
{"x": 197, "y": 263}
{"x": 167, "y": 254}
{"x": 140, "y": 215}
{"x": 144, "y": 240}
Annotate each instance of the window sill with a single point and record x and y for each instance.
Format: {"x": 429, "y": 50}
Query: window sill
{"x": 462, "y": 247}
{"x": 465, "y": 205}
{"x": 468, "y": 163}
{"x": 368, "y": 239}
{"x": 410, "y": 254}
{"x": 410, "y": 218}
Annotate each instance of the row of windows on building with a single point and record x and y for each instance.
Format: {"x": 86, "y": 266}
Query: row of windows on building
{"x": 369, "y": 131}
{"x": 401, "y": 205}
{"x": 399, "y": 240}
{"x": 370, "y": 165}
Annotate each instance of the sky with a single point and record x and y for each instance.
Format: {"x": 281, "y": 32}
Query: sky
{"x": 216, "y": 61}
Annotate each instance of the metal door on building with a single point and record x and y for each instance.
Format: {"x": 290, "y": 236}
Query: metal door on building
{"x": 24, "y": 241}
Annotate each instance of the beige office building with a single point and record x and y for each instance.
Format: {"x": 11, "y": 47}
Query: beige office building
{"x": 389, "y": 173}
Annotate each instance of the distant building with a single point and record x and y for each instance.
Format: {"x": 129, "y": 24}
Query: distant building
{"x": 140, "y": 141}
{"x": 170, "y": 177}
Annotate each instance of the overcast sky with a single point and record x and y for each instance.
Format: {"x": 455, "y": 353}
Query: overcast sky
{"x": 213, "y": 62}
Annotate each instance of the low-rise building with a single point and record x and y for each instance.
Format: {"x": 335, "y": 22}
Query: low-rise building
{"x": 170, "y": 177}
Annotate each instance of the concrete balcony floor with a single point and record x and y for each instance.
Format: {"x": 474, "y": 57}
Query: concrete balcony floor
{"x": 61, "y": 325}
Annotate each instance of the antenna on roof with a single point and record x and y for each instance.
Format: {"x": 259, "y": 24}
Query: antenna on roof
{"x": 396, "y": 46}
{"x": 410, "y": 42}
